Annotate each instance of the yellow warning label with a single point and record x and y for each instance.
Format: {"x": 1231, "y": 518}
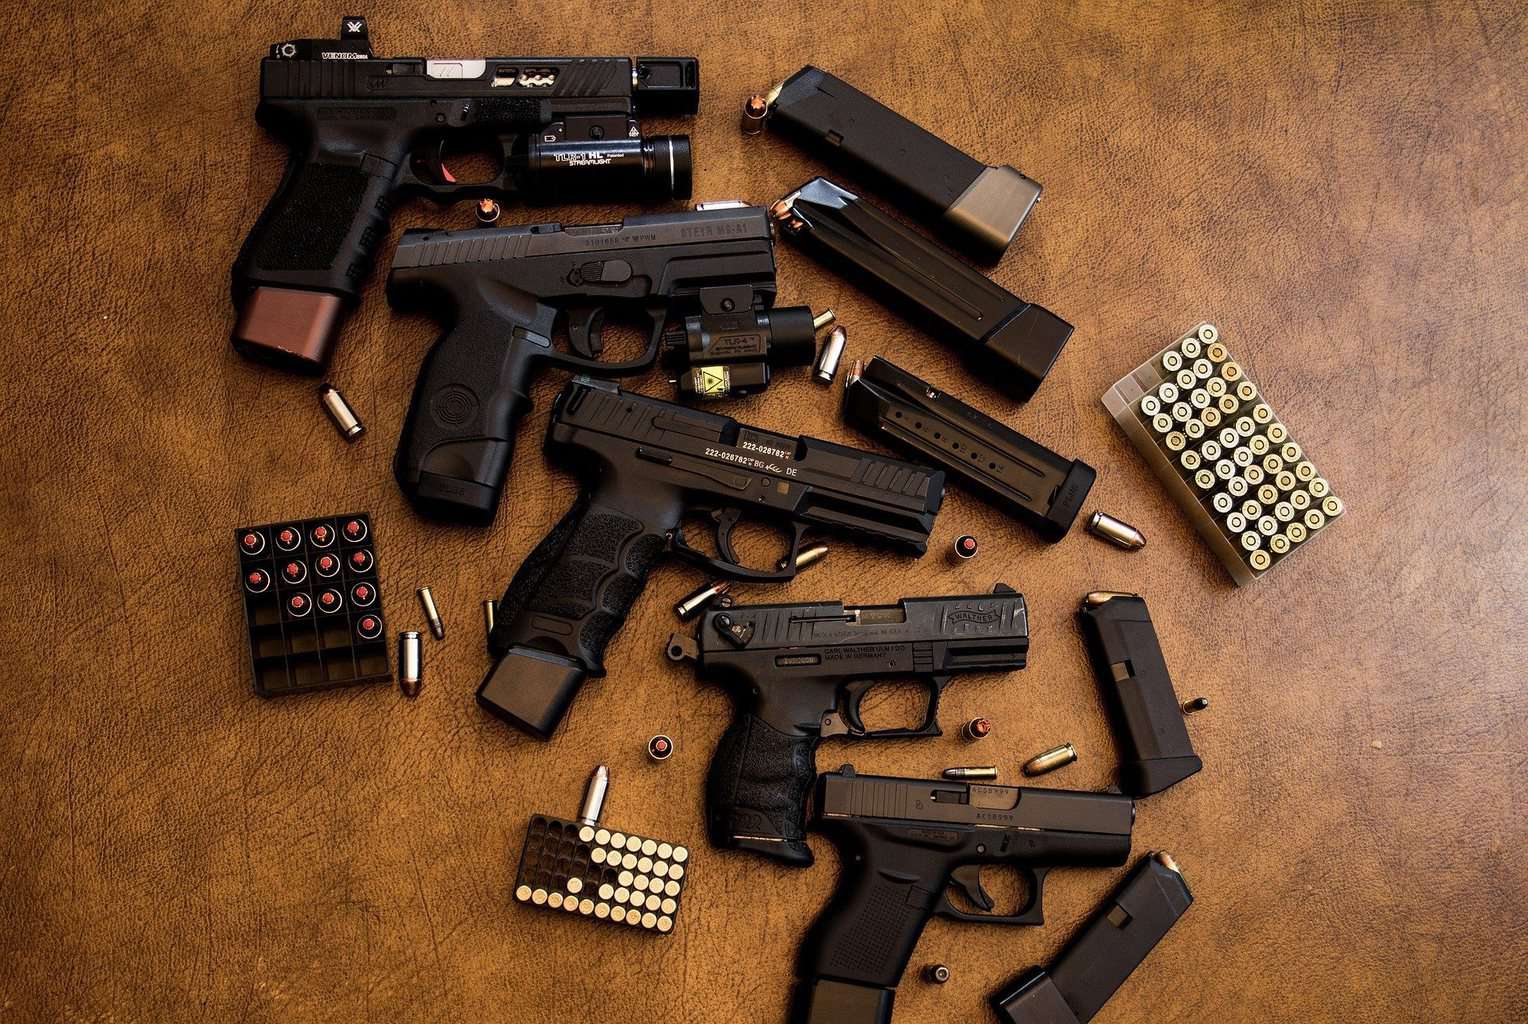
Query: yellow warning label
{"x": 712, "y": 381}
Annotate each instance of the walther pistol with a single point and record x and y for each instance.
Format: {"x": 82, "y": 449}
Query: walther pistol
{"x": 365, "y": 132}
{"x": 644, "y": 465}
{"x": 903, "y": 843}
{"x": 799, "y": 672}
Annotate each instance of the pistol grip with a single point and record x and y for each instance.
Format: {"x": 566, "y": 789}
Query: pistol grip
{"x": 567, "y": 600}
{"x": 458, "y": 438}
{"x": 757, "y": 788}
{"x": 858, "y": 948}
{"x": 305, "y": 259}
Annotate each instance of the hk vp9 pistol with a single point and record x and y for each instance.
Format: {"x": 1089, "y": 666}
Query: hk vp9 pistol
{"x": 644, "y": 465}
{"x": 798, "y": 673}
{"x": 501, "y": 291}
{"x": 366, "y": 131}
{"x": 903, "y": 844}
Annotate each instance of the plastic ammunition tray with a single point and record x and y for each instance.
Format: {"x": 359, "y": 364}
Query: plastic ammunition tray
{"x": 593, "y": 871}
{"x": 1232, "y": 465}
{"x": 311, "y": 604}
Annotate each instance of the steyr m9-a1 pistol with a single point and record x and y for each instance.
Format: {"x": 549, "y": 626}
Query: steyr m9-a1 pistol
{"x": 644, "y": 463}
{"x": 798, "y": 673}
{"x": 500, "y": 291}
{"x": 366, "y": 131}
{"x": 903, "y": 843}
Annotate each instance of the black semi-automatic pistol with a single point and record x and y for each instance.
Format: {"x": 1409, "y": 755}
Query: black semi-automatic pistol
{"x": 799, "y": 672}
{"x": 903, "y": 843}
{"x": 500, "y": 292}
{"x": 366, "y": 131}
{"x": 644, "y": 464}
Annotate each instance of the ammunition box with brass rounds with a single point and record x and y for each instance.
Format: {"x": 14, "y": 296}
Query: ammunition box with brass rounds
{"x": 582, "y": 867}
{"x": 1255, "y": 450}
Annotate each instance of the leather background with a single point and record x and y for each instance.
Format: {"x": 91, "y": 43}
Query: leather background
{"x": 1338, "y": 186}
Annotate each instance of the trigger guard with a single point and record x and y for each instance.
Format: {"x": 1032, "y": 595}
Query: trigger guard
{"x": 585, "y": 362}
{"x": 436, "y": 171}
{"x": 682, "y": 550}
{"x": 424, "y": 171}
{"x": 936, "y": 685}
{"x": 1032, "y": 913}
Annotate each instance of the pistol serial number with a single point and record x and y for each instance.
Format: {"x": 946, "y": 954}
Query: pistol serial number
{"x": 754, "y": 446}
{"x": 738, "y": 458}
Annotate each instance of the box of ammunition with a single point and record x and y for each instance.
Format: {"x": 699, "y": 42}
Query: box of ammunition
{"x": 1209, "y": 434}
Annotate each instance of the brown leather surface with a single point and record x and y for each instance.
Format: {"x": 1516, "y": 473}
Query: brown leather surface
{"x": 1338, "y": 186}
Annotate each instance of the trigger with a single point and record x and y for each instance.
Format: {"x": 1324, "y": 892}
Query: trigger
{"x": 969, "y": 879}
{"x": 854, "y": 694}
{"x": 726, "y": 519}
{"x": 584, "y": 327}
{"x": 441, "y": 172}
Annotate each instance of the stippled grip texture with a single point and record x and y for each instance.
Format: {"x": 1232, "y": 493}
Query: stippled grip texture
{"x": 757, "y": 787}
{"x": 322, "y": 228}
{"x": 867, "y": 932}
{"x": 575, "y": 589}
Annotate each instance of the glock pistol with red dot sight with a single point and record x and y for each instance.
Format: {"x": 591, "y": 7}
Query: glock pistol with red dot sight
{"x": 365, "y": 132}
